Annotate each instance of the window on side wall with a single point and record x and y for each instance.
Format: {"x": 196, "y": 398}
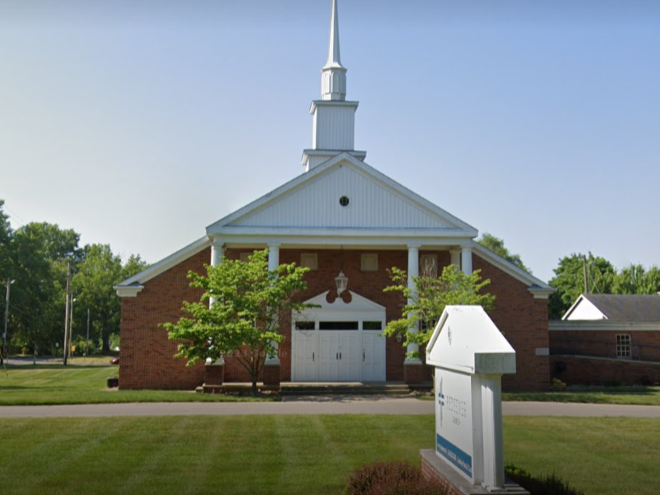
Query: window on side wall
{"x": 623, "y": 346}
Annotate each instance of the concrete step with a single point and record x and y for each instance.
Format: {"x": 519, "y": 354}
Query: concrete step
{"x": 353, "y": 388}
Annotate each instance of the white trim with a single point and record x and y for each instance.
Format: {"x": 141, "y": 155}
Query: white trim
{"x": 131, "y": 291}
{"x": 603, "y": 326}
{"x": 540, "y": 289}
{"x": 165, "y": 264}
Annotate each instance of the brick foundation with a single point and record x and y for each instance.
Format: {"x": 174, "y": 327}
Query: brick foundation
{"x": 215, "y": 374}
{"x": 414, "y": 373}
{"x": 272, "y": 376}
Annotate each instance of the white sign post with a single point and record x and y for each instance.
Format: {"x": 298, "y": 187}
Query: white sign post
{"x": 470, "y": 355}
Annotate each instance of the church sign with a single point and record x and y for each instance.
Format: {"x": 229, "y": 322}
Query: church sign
{"x": 470, "y": 355}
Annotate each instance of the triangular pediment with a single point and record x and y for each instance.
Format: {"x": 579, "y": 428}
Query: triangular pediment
{"x": 356, "y": 303}
{"x": 314, "y": 201}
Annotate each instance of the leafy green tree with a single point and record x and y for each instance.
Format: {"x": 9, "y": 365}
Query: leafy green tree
{"x": 6, "y": 235}
{"x": 428, "y": 299}
{"x": 635, "y": 279}
{"x": 496, "y": 245}
{"x": 96, "y": 275}
{"x": 244, "y": 319}
{"x": 570, "y": 282}
{"x": 39, "y": 254}
{"x": 134, "y": 265}
{"x": 93, "y": 288}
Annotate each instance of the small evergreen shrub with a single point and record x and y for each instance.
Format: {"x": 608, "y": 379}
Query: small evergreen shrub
{"x": 391, "y": 478}
{"x": 543, "y": 485}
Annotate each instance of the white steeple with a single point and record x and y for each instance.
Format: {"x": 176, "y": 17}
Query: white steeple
{"x": 333, "y": 78}
{"x": 333, "y": 128}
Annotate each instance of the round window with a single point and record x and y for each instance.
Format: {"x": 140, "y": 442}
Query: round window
{"x": 344, "y": 201}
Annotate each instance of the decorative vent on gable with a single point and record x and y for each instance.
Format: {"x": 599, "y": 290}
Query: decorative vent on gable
{"x": 428, "y": 265}
{"x": 369, "y": 262}
{"x": 309, "y": 260}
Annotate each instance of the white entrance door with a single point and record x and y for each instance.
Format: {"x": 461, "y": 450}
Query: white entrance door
{"x": 339, "y": 356}
{"x": 307, "y": 355}
{"x": 337, "y": 341}
{"x": 328, "y": 356}
{"x": 373, "y": 356}
{"x": 350, "y": 369}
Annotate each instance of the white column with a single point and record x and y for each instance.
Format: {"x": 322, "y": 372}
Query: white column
{"x": 413, "y": 271}
{"x": 273, "y": 256}
{"x": 466, "y": 260}
{"x": 217, "y": 252}
{"x": 273, "y": 263}
{"x": 493, "y": 438}
{"x": 455, "y": 257}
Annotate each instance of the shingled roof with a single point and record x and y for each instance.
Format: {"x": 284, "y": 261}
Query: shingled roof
{"x": 627, "y": 307}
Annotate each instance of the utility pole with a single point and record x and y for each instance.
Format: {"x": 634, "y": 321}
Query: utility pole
{"x": 73, "y": 299}
{"x": 586, "y": 275}
{"x": 66, "y": 313}
{"x": 4, "y": 335}
{"x": 87, "y": 340}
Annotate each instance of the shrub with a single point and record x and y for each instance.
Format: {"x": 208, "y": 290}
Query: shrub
{"x": 543, "y": 485}
{"x": 391, "y": 478}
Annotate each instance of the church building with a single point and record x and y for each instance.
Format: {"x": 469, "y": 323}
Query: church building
{"x": 348, "y": 223}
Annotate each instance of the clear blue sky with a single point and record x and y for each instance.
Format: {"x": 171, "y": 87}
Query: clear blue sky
{"x": 139, "y": 123}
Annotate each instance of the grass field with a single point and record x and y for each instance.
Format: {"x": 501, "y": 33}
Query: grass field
{"x": 643, "y": 396}
{"x": 297, "y": 454}
{"x": 86, "y": 384}
{"x": 81, "y": 384}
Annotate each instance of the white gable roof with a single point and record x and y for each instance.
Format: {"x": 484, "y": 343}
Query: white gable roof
{"x": 584, "y": 309}
{"x": 309, "y": 205}
{"x": 466, "y": 340}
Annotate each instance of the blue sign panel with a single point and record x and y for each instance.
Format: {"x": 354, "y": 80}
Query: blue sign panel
{"x": 453, "y": 454}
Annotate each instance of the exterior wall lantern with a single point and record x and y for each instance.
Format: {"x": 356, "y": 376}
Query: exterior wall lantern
{"x": 342, "y": 282}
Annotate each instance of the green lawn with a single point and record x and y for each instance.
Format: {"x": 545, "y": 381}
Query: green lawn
{"x": 643, "y": 396}
{"x": 80, "y": 384}
{"x": 297, "y": 454}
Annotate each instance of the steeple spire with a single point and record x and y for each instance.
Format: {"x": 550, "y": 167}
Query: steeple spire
{"x": 333, "y": 130}
{"x": 333, "y": 74}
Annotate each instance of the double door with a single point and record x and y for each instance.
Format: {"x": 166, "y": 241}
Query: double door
{"x": 339, "y": 356}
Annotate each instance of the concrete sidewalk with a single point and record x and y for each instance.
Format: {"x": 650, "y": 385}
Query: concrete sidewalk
{"x": 316, "y": 405}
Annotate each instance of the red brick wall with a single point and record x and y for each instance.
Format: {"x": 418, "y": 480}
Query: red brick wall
{"x": 524, "y": 322}
{"x": 645, "y": 345}
{"x": 602, "y": 371}
{"x": 147, "y": 354}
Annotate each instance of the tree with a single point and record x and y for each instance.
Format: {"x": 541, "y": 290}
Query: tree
{"x": 635, "y": 279}
{"x": 496, "y": 245}
{"x": 573, "y": 276}
{"x": 428, "y": 299}
{"x": 6, "y": 234}
{"x": 244, "y": 319}
{"x": 93, "y": 288}
{"x": 134, "y": 265}
{"x": 39, "y": 254}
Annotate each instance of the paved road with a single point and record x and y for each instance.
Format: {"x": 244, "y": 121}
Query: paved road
{"x": 315, "y": 405}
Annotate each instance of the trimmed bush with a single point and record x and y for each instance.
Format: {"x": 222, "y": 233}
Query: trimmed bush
{"x": 391, "y": 478}
{"x": 542, "y": 485}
